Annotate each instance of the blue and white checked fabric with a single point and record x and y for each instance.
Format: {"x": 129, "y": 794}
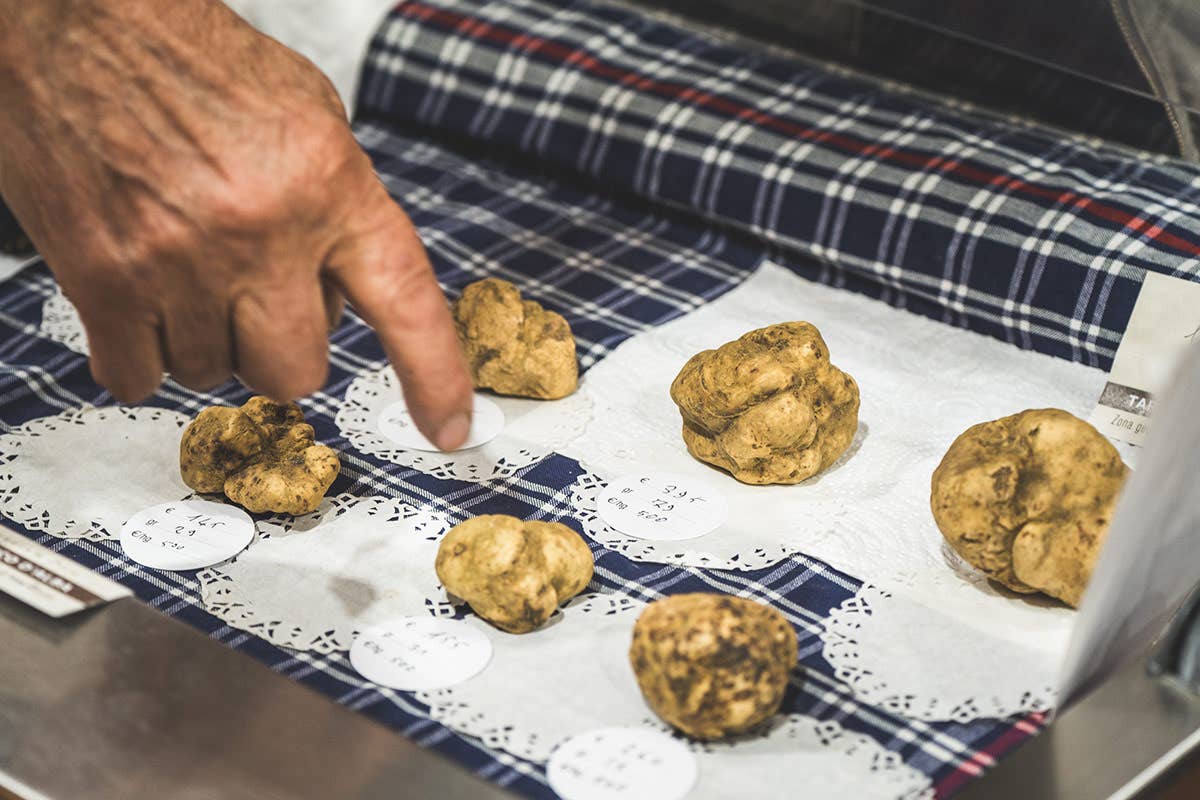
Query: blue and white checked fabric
{"x": 1032, "y": 237}
{"x": 613, "y": 269}
{"x": 624, "y": 172}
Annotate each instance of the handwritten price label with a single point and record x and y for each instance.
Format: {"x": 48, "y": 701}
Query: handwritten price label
{"x": 420, "y": 653}
{"x": 620, "y": 764}
{"x": 188, "y": 534}
{"x": 395, "y": 423}
{"x": 663, "y": 506}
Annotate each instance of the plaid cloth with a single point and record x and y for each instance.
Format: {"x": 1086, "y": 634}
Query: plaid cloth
{"x": 1035, "y": 238}
{"x": 613, "y": 270}
{"x": 664, "y": 193}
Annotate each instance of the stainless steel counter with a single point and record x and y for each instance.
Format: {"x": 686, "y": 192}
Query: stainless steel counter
{"x": 1120, "y": 741}
{"x": 124, "y": 702}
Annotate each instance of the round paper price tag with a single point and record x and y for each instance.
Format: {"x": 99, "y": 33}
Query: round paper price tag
{"x": 188, "y": 534}
{"x": 487, "y": 421}
{"x": 622, "y": 764}
{"x": 420, "y": 653}
{"x": 664, "y": 506}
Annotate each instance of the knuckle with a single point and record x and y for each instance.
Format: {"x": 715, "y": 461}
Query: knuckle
{"x": 294, "y": 186}
{"x": 327, "y": 133}
{"x": 328, "y": 93}
{"x": 245, "y": 204}
{"x": 158, "y": 238}
{"x": 124, "y": 386}
{"x": 326, "y": 144}
{"x": 105, "y": 274}
{"x": 310, "y": 375}
{"x": 306, "y": 378}
{"x": 200, "y": 370}
{"x": 285, "y": 387}
{"x": 198, "y": 379}
{"x": 258, "y": 200}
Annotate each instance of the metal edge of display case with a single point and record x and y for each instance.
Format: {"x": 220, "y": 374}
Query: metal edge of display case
{"x": 123, "y": 701}
{"x": 1122, "y": 740}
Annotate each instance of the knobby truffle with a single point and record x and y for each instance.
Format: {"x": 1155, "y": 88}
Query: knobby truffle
{"x": 512, "y": 573}
{"x": 514, "y": 346}
{"x": 768, "y": 407}
{"x": 262, "y": 456}
{"x": 1027, "y": 500}
{"x": 712, "y": 665}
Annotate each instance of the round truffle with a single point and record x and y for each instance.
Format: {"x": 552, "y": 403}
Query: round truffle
{"x": 514, "y": 574}
{"x": 712, "y": 665}
{"x": 1027, "y": 500}
{"x": 514, "y": 346}
{"x": 768, "y": 407}
{"x": 262, "y": 456}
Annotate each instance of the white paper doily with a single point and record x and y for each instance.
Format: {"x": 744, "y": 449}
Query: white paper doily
{"x": 530, "y": 434}
{"x": 911, "y": 661}
{"x": 568, "y": 677}
{"x": 574, "y": 676}
{"x": 733, "y": 546}
{"x": 313, "y": 582}
{"x": 799, "y": 756}
{"x": 922, "y": 384}
{"x": 61, "y": 322}
{"x": 82, "y": 473}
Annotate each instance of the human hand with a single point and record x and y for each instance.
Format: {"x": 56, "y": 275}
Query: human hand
{"x": 198, "y": 194}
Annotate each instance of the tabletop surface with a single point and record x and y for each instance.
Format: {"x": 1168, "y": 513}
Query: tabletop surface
{"x": 122, "y": 701}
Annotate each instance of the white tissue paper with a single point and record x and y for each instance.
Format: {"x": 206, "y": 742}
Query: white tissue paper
{"x": 314, "y": 582}
{"x": 922, "y": 383}
{"x": 82, "y": 473}
{"x": 573, "y": 676}
{"x": 527, "y": 437}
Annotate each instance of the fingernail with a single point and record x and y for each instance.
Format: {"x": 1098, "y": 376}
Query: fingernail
{"x": 454, "y": 432}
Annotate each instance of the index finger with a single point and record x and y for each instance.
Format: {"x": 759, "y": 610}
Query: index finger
{"x": 383, "y": 269}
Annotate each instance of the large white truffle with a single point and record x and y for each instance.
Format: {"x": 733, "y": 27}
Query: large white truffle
{"x": 768, "y": 407}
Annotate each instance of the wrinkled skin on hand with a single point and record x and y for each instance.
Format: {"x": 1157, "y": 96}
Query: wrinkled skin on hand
{"x": 515, "y": 346}
{"x": 197, "y": 192}
{"x": 1027, "y": 500}
{"x": 262, "y": 456}
{"x": 711, "y": 665}
{"x": 768, "y": 407}
{"x": 513, "y": 574}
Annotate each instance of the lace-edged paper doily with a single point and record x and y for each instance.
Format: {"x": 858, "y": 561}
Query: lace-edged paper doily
{"x": 82, "y": 473}
{"x": 61, "y": 322}
{"x": 922, "y": 384}
{"x": 533, "y": 429}
{"x": 573, "y": 676}
{"x": 883, "y": 648}
{"x": 313, "y": 582}
{"x": 541, "y": 688}
{"x": 734, "y": 545}
{"x": 797, "y": 751}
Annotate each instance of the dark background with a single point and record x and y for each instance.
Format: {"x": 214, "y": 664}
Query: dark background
{"x": 1064, "y": 63}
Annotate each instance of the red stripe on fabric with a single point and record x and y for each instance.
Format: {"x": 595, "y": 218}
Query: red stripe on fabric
{"x": 972, "y": 767}
{"x": 533, "y": 44}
